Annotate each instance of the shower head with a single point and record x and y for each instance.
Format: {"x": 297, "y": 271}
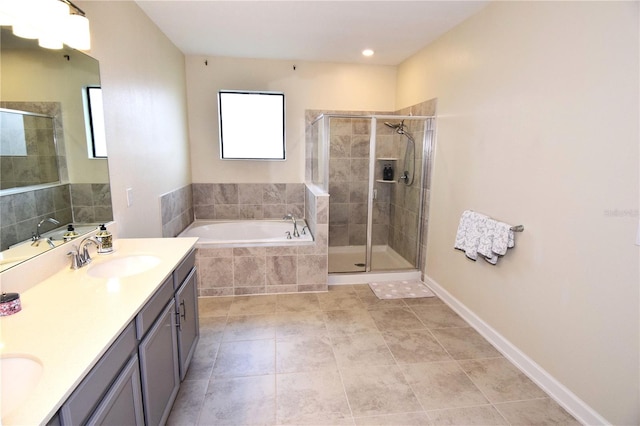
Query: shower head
{"x": 399, "y": 128}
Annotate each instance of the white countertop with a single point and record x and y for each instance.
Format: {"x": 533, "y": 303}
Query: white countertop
{"x": 70, "y": 319}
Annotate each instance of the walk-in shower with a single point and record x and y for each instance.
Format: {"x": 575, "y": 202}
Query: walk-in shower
{"x": 376, "y": 222}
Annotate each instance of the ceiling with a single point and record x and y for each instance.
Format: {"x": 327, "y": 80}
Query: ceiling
{"x": 306, "y": 30}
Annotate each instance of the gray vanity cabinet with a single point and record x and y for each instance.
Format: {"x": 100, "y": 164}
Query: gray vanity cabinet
{"x": 186, "y": 311}
{"x": 123, "y": 403}
{"x": 158, "y": 353}
{"x": 109, "y": 384}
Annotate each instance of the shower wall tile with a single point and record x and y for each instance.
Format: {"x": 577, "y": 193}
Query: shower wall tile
{"x": 339, "y": 192}
{"x": 358, "y": 191}
{"x": 357, "y": 213}
{"x": 338, "y": 235}
{"x": 360, "y": 146}
{"x": 340, "y": 146}
{"x": 359, "y": 169}
{"x": 340, "y": 170}
{"x": 361, "y": 126}
{"x": 339, "y": 214}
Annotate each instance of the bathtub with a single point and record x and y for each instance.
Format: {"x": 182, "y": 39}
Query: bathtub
{"x": 246, "y": 233}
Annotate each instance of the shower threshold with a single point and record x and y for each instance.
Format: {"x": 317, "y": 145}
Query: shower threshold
{"x": 347, "y": 265}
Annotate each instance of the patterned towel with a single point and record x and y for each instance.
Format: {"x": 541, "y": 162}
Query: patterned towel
{"x": 479, "y": 234}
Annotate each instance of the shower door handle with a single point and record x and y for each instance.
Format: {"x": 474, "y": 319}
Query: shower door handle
{"x": 375, "y": 194}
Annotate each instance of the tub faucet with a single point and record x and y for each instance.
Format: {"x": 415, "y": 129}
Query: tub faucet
{"x": 35, "y": 237}
{"x": 295, "y": 225}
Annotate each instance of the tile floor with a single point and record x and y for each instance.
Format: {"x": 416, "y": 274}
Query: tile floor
{"x": 346, "y": 358}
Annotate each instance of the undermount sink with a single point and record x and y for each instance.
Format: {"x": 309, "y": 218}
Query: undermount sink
{"x": 20, "y": 374}
{"x": 123, "y": 266}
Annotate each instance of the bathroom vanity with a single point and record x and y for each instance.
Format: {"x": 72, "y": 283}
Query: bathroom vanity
{"x": 113, "y": 339}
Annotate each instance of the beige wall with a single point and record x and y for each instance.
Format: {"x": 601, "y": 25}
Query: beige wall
{"x": 143, "y": 80}
{"x": 538, "y": 125}
{"x": 309, "y": 86}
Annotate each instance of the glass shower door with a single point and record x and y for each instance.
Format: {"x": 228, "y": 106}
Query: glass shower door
{"x": 349, "y": 141}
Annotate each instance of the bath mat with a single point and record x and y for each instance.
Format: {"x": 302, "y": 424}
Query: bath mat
{"x": 401, "y": 290}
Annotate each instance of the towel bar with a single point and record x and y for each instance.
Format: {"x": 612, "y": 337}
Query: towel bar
{"x": 517, "y": 228}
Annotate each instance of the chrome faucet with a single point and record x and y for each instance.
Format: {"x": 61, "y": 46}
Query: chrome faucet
{"x": 295, "y": 225}
{"x": 35, "y": 237}
{"x": 80, "y": 253}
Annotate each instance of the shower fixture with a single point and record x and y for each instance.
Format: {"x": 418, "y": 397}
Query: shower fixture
{"x": 409, "y": 155}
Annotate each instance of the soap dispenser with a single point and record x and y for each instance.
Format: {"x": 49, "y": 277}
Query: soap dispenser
{"x": 70, "y": 234}
{"x": 105, "y": 239}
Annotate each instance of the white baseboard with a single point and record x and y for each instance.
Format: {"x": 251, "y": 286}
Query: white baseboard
{"x": 556, "y": 390}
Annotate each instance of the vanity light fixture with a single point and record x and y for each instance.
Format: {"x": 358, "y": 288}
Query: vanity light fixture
{"x": 52, "y": 22}
{"x": 367, "y": 52}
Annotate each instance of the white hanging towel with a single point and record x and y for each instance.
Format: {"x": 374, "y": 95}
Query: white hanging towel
{"x": 470, "y": 230}
{"x": 479, "y": 234}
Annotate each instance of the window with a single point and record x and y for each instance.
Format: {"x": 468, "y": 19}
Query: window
{"x": 95, "y": 122}
{"x": 251, "y": 125}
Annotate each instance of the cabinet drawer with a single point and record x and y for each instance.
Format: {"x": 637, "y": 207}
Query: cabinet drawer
{"x": 89, "y": 393}
{"x": 182, "y": 271}
{"x": 153, "y": 308}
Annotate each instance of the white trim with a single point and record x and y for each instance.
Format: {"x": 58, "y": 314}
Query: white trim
{"x": 556, "y": 390}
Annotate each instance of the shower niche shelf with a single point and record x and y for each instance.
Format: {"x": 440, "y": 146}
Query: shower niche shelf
{"x": 382, "y": 159}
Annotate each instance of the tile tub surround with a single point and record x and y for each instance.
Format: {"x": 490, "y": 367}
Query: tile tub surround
{"x": 248, "y": 200}
{"x": 177, "y": 210}
{"x": 345, "y": 357}
{"x": 267, "y": 270}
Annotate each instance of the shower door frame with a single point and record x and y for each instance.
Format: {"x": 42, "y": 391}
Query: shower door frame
{"x": 372, "y": 180}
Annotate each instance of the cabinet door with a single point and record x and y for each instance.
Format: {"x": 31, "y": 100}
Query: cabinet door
{"x": 188, "y": 328}
{"x": 159, "y": 367}
{"x": 123, "y": 403}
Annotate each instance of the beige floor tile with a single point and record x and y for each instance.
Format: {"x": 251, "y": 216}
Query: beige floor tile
{"x": 468, "y": 416}
{"x": 296, "y": 324}
{"x": 500, "y": 380}
{"x": 378, "y": 390}
{"x": 250, "y": 305}
{"x": 214, "y": 306}
{"x": 203, "y": 359}
{"x": 438, "y": 316}
{"x": 240, "y": 401}
{"x": 404, "y": 419}
{"x": 245, "y": 358}
{"x": 337, "y": 300}
{"x": 414, "y": 346}
{"x": 212, "y": 327}
{"x": 344, "y": 322}
{"x": 396, "y": 319}
{"x": 305, "y": 353}
{"x": 303, "y": 302}
{"x": 186, "y": 408}
{"x": 312, "y": 398}
{"x": 341, "y": 287}
{"x": 535, "y": 412}
{"x": 371, "y": 301}
{"x": 423, "y": 301}
{"x": 250, "y": 327}
{"x": 464, "y": 343}
{"x": 442, "y": 385}
{"x": 362, "y": 349}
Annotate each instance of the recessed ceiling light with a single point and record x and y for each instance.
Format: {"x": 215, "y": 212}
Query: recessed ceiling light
{"x": 367, "y": 52}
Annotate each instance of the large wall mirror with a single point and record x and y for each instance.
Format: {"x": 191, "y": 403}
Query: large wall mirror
{"x": 47, "y": 173}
